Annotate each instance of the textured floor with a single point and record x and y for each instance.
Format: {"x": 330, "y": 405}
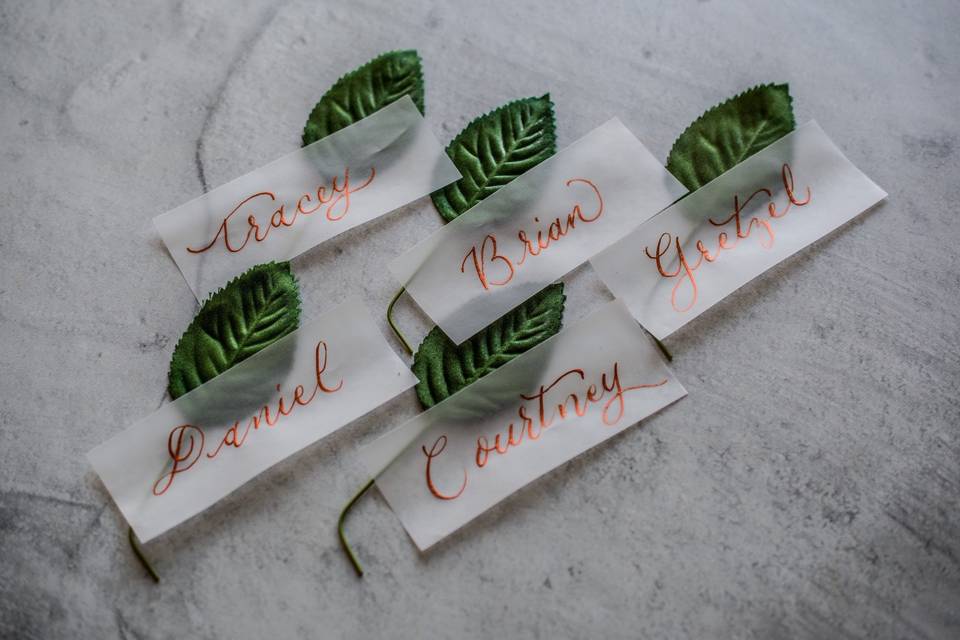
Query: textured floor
{"x": 808, "y": 487}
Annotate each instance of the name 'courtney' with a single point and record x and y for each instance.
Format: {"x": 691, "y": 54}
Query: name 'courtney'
{"x": 537, "y": 413}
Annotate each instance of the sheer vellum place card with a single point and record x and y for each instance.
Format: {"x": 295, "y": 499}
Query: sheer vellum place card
{"x": 690, "y": 257}
{"x": 193, "y": 451}
{"x": 466, "y": 454}
{"x": 535, "y": 229}
{"x": 277, "y": 212}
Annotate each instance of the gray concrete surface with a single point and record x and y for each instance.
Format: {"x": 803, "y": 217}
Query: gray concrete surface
{"x": 808, "y": 487}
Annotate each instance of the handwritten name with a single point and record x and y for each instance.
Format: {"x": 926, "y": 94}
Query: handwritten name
{"x": 537, "y": 413}
{"x": 672, "y": 248}
{"x": 186, "y": 442}
{"x": 487, "y": 254}
{"x": 334, "y": 200}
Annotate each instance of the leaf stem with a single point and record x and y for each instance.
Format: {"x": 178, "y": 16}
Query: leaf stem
{"x": 396, "y": 331}
{"x": 139, "y": 553}
{"x": 343, "y": 516}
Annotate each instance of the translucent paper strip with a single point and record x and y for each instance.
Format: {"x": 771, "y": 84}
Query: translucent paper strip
{"x": 535, "y": 229}
{"x": 279, "y": 211}
{"x": 466, "y": 454}
{"x": 190, "y": 453}
{"x": 697, "y": 252}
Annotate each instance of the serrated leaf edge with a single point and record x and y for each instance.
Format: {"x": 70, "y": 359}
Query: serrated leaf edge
{"x": 419, "y": 76}
{"x": 196, "y": 318}
{"x": 541, "y": 297}
{"x": 551, "y": 135}
{"x": 772, "y": 85}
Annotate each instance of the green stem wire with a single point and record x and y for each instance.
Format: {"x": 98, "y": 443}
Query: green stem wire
{"x": 346, "y": 509}
{"x": 396, "y": 331}
{"x": 343, "y": 516}
{"x": 139, "y": 553}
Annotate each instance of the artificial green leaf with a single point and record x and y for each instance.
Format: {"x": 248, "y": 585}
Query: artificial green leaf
{"x": 356, "y": 95}
{"x": 444, "y": 368}
{"x": 250, "y": 313}
{"x": 496, "y": 148}
{"x": 490, "y": 152}
{"x": 731, "y": 132}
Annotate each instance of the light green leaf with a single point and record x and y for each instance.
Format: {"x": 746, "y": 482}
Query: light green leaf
{"x": 444, "y": 368}
{"x": 250, "y": 313}
{"x": 358, "y": 94}
{"x": 731, "y": 132}
{"x": 496, "y": 148}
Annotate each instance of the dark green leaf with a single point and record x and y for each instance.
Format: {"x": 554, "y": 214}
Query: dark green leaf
{"x": 383, "y": 80}
{"x": 444, "y": 368}
{"x": 252, "y": 312}
{"x": 490, "y": 152}
{"x": 496, "y": 148}
{"x": 731, "y": 132}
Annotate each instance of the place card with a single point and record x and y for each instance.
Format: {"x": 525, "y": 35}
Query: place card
{"x": 277, "y": 212}
{"x": 535, "y": 229}
{"x": 464, "y": 455}
{"x": 776, "y": 202}
{"x": 193, "y": 451}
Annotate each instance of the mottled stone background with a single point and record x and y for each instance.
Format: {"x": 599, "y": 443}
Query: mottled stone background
{"x": 808, "y": 486}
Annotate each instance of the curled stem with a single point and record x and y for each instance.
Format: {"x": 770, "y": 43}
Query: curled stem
{"x": 396, "y": 331}
{"x": 139, "y": 553}
{"x": 343, "y": 516}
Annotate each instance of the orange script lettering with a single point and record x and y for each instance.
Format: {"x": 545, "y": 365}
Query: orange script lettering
{"x": 539, "y": 412}
{"x": 185, "y": 444}
{"x": 335, "y": 200}
{"x": 672, "y": 247}
{"x": 487, "y": 255}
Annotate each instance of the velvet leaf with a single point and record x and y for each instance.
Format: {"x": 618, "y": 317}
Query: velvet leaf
{"x": 731, "y": 132}
{"x": 444, "y": 368}
{"x": 496, "y": 148}
{"x": 253, "y": 311}
{"x": 365, "y": 90}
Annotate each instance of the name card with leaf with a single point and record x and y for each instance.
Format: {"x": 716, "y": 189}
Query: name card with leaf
{"x": 347, "y": 178}
{"x": 481, "y": 444}
{"x": 215, "y": 437}
{"x": 532, "y": 231}
{"x": 763, "y": 210}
